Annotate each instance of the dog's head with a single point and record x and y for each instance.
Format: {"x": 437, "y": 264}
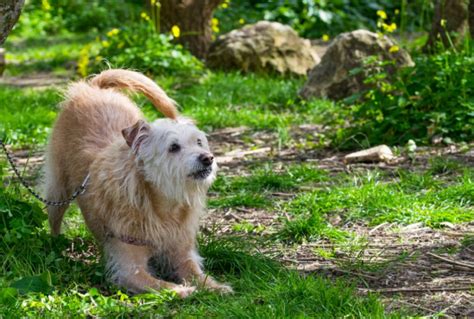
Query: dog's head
{"x": 174, "y": 155}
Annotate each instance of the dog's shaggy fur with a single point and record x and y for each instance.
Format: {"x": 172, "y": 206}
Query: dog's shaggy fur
{"x": 147, "y": 181}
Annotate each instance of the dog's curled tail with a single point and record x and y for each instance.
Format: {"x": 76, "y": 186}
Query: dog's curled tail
{"x": 134, "y": 81}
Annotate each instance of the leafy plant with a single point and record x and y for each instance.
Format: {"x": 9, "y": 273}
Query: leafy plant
{"x": 141, "y": 48}
{"x": 316, "y": 18}
{"x": 432, "y": 98}
{"x": 52, "y": 17}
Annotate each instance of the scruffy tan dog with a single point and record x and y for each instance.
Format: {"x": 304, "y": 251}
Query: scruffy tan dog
{"x": 147, "y": 184}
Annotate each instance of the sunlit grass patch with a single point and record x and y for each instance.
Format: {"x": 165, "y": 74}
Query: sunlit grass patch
{"x": 415, "y": 197}
{"x": 46, "y": 55}
{"x": 255, "y": 190}
{"x": 26, "y": 115}
{"x": 308, "y": 227}
{"x": 240, "y": 199}
{"x": 230, "y": 99}
{"x": 214, "y": 101}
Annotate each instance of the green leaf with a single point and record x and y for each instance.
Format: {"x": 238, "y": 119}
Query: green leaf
{"x": 41, "y": 283}
{"x": 8, "y": 295}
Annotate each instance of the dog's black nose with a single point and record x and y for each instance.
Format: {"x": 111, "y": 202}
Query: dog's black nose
{"x": 206, "y": 159}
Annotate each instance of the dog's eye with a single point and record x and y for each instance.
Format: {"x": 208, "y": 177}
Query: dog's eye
{"x": 199, "y": 141}
{"x": 174, "y": 148}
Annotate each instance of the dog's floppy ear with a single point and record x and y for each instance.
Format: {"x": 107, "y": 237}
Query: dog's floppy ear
{"x": 136, "y": 134}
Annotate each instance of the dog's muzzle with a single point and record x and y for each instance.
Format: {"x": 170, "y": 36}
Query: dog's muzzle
{"x": 205, "y": 163}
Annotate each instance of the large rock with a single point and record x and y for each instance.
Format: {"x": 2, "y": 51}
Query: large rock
{"x": 263, "y": 47}
{"x": 331, "y": 78}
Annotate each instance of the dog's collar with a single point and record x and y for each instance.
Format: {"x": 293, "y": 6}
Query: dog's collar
{"x": 131, "y": 240}
{"x": 134, "y": 241}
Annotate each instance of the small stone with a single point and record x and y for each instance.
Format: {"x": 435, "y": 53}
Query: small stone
{"x": 436, "y": 139}
{"x": 448, "y": 141}
{"x": 381, "y": 153}
{"x": 447, "y": 225}
{"x": 412, "y": 227}
{"x": 411, "y": 146}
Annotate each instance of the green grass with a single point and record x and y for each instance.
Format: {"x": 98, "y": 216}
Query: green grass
{"x": 40, "y": 280}
{"x": 218, "y": 100}
{"x": 26, "y": 115}
{"x": 263, "y": 290}
{"x": 255, "y": 190}
{"x": 215, "y": 101}
{"x": 64, "y": 277}
{"x": 56, "y": 54}
{"x": 414, "y": 197}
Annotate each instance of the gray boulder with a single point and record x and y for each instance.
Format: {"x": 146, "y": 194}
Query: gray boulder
{"x": 332, "y": 79}
{"x": 263, "y": 47}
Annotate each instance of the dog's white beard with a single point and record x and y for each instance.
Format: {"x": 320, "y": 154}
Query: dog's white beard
{"x": 173, "y": 181}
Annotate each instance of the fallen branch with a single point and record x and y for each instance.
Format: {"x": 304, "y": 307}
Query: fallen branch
{"x": 431, "y": 311}
{"x": 452, "y": 262}
{"x": 416, "y": 290}
{"x": 308, "y": 269}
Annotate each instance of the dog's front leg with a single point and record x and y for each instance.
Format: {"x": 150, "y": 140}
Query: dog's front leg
{"x": 128, "y": 267}
{"x": 189, "y": 269}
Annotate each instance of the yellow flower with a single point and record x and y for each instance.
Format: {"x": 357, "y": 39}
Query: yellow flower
{"x": 215, "y": 25}
{"x": 152, "y": 2}
{"x": 113, "y": 32}
{"x": 389, "y": 27}
{"x": 394, "y": 48}
{"x": 241, "y": 21}
{"x": 45, "y": 5}
{"x": 83, "y": 61}
{"x": 382, "y": 14}
{"x": 325, "y": 37}
{"x": 145, "y": 16}
{"x": 175, "y": 31}
{"x": 105, "y": 44}
{"x": 224, "y": 5}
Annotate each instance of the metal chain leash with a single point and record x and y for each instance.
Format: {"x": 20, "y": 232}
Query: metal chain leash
{"x": 79, "y": 191}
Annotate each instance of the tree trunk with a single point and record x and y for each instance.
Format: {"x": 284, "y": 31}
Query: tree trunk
{"x": 9, "y": 13}
{"x": 450, "y": 23}
{"x": 193, "y": 17}
{"x": 471, "y": 18}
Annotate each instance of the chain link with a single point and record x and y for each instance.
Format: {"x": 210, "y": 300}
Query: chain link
{"x": 79, "y": 191}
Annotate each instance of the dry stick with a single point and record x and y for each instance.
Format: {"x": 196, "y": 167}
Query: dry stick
{"x": 453, "y": 262}
{"x": 416, "y": 306}
{"x": 450, "y": 306}
{"x": 393, "y": 246}
{"x": 408, "y": 290}
{"x": 335, "y": 269}
{"x": 244, "y": 210}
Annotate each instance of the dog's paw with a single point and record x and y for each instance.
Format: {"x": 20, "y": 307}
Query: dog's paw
{"x": 221, "y": 288}
{"x": 183, "y": 291}
{"x": 224, "y": 289}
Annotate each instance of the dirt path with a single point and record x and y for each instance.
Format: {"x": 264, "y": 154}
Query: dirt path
{"x": 36, "y": 80}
